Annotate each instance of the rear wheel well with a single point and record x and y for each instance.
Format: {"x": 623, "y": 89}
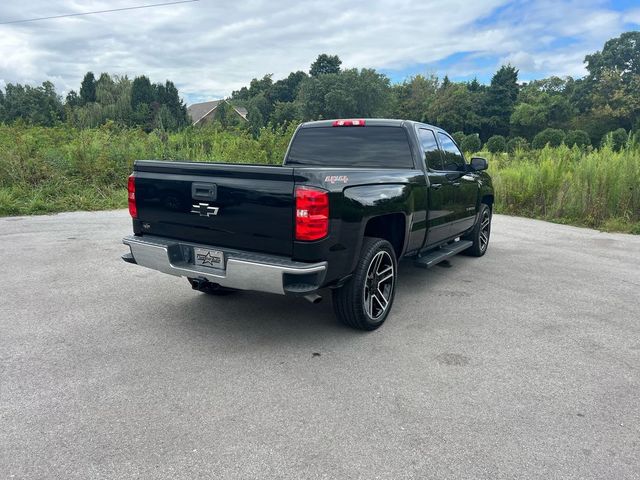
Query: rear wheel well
{"x": 391, "y": 227}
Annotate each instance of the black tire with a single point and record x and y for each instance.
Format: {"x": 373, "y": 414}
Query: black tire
{"x": 354, "y": 303}
{"x": 480, "y": 234}
{"x": 213, "y": 289}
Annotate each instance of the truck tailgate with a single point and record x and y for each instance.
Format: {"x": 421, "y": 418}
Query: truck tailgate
{"x": 247, "y": 207}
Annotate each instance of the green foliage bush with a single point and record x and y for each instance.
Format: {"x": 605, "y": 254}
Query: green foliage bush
{"x": 517, "y": 143}
{"x": 496, "y": 144}
{"x": 579, "y": 138}
{"x": 617, "y": 139}
{"x": 549, "y": 136}
{"x": 471, "y": 143}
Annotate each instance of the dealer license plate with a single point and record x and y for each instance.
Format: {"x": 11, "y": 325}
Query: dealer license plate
{"x": 208, "y": 258}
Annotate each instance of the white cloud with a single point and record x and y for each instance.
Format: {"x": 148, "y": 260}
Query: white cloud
{"x": 212, "y": 47}
{"x": 633, "y": 17}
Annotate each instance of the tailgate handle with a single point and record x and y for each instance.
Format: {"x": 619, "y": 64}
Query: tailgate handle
{"x": 204, "y": 191}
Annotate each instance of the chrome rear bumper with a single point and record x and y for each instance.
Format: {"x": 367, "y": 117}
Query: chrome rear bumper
{"x": 242, "y": 270}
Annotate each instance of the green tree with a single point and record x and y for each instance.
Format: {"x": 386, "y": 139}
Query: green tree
{"x": 285, "y": 113}
{"x": 350, "y": 93}
{"x": 286, "y": 90}
{"x": 496, "y": 144}
{"x": 34, "y": 105}
{"x": 141, "y": 92}
{"x": 142, "y": 96}
{"x": 325, "y": 64}
{"x": 88, "y": 88}
{"x": 411, "y": 98}
{"x": 621, "y": 54}
{"x": 527, "y": 120}
{"x": 549, "y": 136}
{"x": 223, "y": 113}
{"x": 73, "y": 99}
{"x": 579, "y": 138}
{"x": 255, "y": 118}
{"x": 455, "y": 108}
{"x": 500, "y": 101}
{"x": 105, "y": 90}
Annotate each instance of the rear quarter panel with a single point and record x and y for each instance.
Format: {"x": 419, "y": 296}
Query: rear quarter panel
{"x": 357, "y": 195}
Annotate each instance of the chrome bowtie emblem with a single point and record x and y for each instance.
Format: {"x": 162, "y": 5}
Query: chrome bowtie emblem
{"x": 204, "y": 209}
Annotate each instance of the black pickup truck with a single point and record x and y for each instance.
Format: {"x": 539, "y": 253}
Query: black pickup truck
{"x": 351, "y": 198}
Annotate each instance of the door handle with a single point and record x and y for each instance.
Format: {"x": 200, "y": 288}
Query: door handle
{"x": 436, "y": 186}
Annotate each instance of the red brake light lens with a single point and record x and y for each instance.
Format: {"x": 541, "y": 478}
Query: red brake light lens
{"x": 312, "y": 213}
{"x": 131, "y": 187}
{"x": 349, "y": 123}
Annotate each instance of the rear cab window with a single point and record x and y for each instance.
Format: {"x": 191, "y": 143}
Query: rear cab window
{"x": 368, "y": 146}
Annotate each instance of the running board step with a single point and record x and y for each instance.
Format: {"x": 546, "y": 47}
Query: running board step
{"x": 441, "y": 254}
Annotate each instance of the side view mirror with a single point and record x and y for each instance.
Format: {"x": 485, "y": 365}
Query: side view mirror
{"x": 479, "y": 163}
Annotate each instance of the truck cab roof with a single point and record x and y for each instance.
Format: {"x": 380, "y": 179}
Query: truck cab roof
{"x": 371, "y": 122}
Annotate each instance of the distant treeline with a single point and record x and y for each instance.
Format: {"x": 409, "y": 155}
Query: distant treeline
{"x": 506, "y": 114}
{"x": 137, "y": 103}
{"x": 503, "y": 116}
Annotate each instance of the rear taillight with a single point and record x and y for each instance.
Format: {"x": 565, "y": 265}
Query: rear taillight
{"x": 349, "y": 123}
{"x": 312, "y": 213}
{"x": 131, "y": 187}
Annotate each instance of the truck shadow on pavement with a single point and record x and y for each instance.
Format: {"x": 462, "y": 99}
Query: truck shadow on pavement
{"x": 264, "y": 318}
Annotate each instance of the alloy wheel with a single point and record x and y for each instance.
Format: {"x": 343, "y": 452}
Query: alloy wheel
{"x": 485, "y": 228}
{"x": 378, "y": 286}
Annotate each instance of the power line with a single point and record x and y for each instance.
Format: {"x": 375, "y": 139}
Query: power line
{"x": 97, "y": 11}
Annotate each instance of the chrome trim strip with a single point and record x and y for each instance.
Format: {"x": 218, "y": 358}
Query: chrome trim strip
{"x": 242, "y": 271}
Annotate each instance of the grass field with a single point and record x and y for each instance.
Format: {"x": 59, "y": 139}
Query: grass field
{"x": 46, "y": 170}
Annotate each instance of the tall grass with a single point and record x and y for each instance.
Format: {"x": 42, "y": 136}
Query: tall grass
{"x": 44, "y": 170}
{"x": 596, "y": 188}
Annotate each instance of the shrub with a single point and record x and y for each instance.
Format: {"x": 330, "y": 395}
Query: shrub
{"x": 517, "y": 143}
{"x": 549, "y": 136}
{"x": 471, "y": 143}
{"x": 496, "y": 144}
{"x": 579, "y": 138}
{"x": 617, "y": 139}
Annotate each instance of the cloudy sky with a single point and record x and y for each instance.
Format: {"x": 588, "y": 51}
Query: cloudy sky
{"x": 211, "y": 47}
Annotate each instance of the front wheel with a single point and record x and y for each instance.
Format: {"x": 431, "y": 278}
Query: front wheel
{"x": 365, "y": 301}
{"x": 480, "y": 233}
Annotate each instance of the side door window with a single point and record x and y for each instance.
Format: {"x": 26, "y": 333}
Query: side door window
{"x": 432, "y": 156}
{"x": 453, "y": 158}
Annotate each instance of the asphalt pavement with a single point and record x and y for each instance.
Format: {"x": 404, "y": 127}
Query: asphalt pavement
{"x": 522, "y": 364}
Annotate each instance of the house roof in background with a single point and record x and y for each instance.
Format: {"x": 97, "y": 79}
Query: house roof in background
{"x": 198, "y": 111}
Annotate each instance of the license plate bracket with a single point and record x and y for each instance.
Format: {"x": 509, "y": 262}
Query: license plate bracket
{"x": 204, "y": 257}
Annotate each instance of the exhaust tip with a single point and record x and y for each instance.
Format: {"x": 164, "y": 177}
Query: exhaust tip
{"x": 313, "y": 298}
